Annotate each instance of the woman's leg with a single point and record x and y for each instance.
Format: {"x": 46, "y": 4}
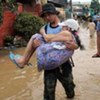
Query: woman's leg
{"x": 49, "y": 58}
{"x": 33, "y": 43}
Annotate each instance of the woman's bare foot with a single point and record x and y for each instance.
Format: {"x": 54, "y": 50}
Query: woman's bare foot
{"x": 20, "y": 62}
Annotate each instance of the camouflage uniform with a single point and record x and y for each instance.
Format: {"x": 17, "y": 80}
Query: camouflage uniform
{"x": 64, "y": 75}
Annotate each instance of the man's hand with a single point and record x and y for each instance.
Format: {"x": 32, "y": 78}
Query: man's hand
{"x": 71, "y": 45}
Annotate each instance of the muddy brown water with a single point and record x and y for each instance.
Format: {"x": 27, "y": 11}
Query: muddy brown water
{"x": 27, "y": 83}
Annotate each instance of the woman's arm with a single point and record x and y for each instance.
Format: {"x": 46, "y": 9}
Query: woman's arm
{"x": 47, "y": 37}
{"x": 61, "y": 36}
{"x": 42, "y": 31}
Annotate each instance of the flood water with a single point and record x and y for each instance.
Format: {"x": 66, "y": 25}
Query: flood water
{"x": 14, "y": 81}
{"x": 27, "y": 83}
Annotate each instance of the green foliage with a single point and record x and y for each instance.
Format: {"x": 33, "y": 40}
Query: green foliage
{"x": 95, "y": 5}
{"x": 12, "y": 5}
{"x": 26, "y": 25}
{"x": 26, "y": 1}
{"x": 12, "y": 1}
{"x": 8, "y": 39}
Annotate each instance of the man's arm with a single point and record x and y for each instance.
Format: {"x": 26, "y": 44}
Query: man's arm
{"x": 47, "y": 37}
{"x": 62, "y": 36}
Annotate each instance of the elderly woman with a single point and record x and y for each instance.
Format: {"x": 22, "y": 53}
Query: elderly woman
{"x": 53, "y": 50}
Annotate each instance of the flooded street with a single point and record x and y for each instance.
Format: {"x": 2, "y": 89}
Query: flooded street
{"x": 27, "y": 83}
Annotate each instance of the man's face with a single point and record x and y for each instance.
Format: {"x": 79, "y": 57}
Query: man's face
{"x": 49, "y": 17}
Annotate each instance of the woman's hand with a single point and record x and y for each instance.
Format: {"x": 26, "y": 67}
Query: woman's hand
{"x": 37, "y": 43}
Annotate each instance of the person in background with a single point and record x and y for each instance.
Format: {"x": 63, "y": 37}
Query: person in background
{"x": 20, "y": 8}
{"x": 94, "y": 18}
{"x": 98, "y": 38}
{"x": 91, "y": 26}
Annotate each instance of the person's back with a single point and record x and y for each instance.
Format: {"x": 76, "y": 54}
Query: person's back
{"x": 95, "y": 19}
{"x": 91, "y": 27}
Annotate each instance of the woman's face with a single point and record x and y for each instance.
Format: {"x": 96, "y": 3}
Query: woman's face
{"x": 65, "y": 28}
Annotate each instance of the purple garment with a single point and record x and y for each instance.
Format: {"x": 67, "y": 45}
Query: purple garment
{"x": 48, "y": 57}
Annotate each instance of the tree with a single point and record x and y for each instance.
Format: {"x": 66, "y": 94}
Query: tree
{"x": 95, "y": 5}
{"x": 30, "y": 2}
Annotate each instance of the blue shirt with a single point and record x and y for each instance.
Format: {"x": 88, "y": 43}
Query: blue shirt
{"x": 98, "y": 26}
{"x": 53, "y": 30}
